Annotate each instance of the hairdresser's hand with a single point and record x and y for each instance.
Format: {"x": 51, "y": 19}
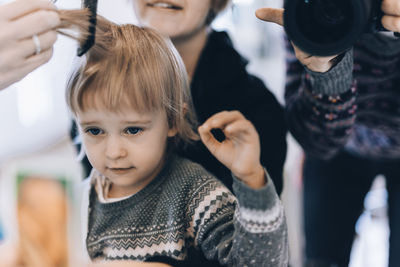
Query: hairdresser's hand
{"x": 391, "y": 17}
{"x": 314, "y": 63}
{"x": 19, "y": 21}
{"x": 240, "y": 151}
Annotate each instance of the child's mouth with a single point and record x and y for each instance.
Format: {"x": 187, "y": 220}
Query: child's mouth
{"x": 120, "y": 170}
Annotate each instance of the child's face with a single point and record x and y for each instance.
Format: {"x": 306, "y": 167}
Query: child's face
{"x": 127, "y": 147}
{"x": 173, "y": 18}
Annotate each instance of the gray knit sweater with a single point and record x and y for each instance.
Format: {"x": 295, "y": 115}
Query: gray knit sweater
{"x": 185, "y": 211}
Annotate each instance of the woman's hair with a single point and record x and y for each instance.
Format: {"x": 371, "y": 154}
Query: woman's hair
{"x": 130, "y": 66}
{"x": 216, "y": 7}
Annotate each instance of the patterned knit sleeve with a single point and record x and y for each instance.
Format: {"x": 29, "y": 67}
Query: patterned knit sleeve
{"x": 320, "y": 107}
{"x": 248, "y": 231}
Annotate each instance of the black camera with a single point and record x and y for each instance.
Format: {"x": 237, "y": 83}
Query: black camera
{"x": 329, "y": 27}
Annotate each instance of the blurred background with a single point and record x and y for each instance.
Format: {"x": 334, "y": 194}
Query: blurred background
{"x": 35, "y": 122}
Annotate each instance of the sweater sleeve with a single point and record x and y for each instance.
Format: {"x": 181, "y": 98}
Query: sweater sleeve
{"x": 320, "y": 107}
{"x": 248, "y": 231}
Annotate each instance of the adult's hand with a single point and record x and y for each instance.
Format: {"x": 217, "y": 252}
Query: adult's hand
{"x": 314, "y": 63}
{"x": 391, "y": 15}
{"x": 20, "y": 51}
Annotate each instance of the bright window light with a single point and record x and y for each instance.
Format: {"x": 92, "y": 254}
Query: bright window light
{"x": 34, "y": 99}
{"x": 243, "y": 2}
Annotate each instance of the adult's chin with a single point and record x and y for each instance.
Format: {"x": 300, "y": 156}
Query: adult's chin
{"x": 166, "y": 29}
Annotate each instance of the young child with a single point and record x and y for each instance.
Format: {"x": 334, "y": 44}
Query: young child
{"x": 131, "y": 100}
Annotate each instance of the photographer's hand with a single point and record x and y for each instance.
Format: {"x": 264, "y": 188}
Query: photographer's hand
{"x": 314, "y": 63}
{"x": 391, "y": 17}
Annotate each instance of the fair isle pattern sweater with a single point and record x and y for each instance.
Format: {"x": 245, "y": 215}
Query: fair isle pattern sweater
{"x": 185, "y": 211}
{"x": 353, "y": 107}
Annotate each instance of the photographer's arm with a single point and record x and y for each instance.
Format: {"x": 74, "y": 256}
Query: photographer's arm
{"x": 320, "y": 98}
{"x": 320, "y": 107}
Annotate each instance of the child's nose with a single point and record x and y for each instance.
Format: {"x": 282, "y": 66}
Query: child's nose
{"x": 115, "y": 148}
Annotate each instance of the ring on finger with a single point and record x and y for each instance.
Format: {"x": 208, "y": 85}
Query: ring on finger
{"x": 36, "y": 41}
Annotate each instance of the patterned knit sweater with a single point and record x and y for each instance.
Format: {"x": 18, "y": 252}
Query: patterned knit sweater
{"x": 185, "y": 212}
{"x": 353, "y": 107}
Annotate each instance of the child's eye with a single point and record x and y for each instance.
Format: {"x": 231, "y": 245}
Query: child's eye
{"x": 93, "y": 131}
{"x": 133, "y": 130}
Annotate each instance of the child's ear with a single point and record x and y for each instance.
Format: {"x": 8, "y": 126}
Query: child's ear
{"x": 185, "y": 109}
{"x": 172, "y": 132}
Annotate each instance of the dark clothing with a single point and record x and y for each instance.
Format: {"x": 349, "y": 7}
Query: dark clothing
{"x": 354, "y": 106}
{"x": 220, "y": 83}
{"x": 334, "y": 194}
{"x": 347, "y": 121}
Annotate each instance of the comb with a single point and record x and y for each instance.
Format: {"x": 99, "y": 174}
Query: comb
{"x": 89, "y": 42}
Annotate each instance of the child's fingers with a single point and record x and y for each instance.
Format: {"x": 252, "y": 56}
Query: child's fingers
{"x": 240, "y": 129}
{"x": 222, "y": 119}
{"x": 208, "y": 139}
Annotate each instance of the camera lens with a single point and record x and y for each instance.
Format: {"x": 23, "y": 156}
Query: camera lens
{"x": 325, "y": 27}
{"x": 324, "y": 21}
{"x": 329, "y": 13}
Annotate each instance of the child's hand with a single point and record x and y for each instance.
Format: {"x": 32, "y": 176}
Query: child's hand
{"x": 240, "y": 151}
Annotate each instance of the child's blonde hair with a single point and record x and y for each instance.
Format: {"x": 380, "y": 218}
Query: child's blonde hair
{"x": 134, "y": 66}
